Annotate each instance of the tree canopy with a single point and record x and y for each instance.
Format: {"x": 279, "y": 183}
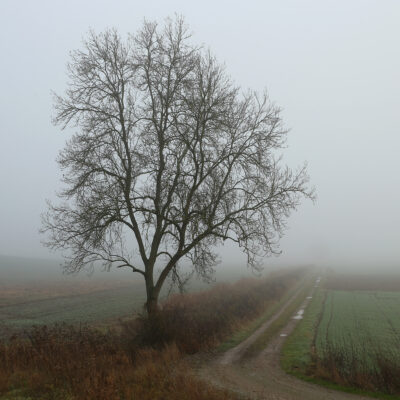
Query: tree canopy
{"x": 170, "y": 158}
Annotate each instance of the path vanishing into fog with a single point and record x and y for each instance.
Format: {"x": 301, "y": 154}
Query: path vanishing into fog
{"x": 261, "y": 377}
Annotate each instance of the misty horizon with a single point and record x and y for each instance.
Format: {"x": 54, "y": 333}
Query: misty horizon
{"x": 332, "y": 68}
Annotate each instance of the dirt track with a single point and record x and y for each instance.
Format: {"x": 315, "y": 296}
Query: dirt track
{"x": 262, "y": 377}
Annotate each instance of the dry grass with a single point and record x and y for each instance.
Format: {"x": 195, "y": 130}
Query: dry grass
{"x": 348, "y": 368}
{"x": 65, "y": 363}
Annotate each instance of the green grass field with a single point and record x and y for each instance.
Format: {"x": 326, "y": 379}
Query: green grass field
{"x": 349, "y": 339}
{"x": 83, "y": 308}
{"x": 361, "y": 322}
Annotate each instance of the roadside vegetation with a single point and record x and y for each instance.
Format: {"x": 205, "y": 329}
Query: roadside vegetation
{"x": 142, "y": 359}
{"x": 198, "y": 321}
{"x": 63, "y": 362}
{"x": 350, "y": 338}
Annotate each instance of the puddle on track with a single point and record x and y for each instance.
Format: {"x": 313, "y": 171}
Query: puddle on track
{"x": 299, "y": 314}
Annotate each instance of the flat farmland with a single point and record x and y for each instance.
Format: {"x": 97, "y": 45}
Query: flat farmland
{"x": 363, "y": 324}
{"x": 35, "y": 292}
{"x": 90, "y": 302}
{"x": 350, "y": 336}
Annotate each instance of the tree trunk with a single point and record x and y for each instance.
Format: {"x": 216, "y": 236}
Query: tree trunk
{"x": 152, "y": 299}
{"x": 152, "y": 306}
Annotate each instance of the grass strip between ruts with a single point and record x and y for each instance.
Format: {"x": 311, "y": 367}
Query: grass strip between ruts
{"x": 262, "y": 341}
{"x": 249, "y": 329}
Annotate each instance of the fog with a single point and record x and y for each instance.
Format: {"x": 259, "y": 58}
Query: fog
{"x": 333, "y": 67}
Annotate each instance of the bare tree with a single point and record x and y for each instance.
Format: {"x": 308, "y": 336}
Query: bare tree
{"x": 169, "y": 155}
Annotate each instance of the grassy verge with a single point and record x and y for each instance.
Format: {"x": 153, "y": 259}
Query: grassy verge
{"x": 281, "y": 321}
{"x": 297, "y": 351}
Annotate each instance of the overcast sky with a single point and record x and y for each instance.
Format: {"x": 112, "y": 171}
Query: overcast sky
{"x": 333, "y": 66}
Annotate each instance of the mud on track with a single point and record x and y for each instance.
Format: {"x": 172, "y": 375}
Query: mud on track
{"x": 261, "y": 377}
